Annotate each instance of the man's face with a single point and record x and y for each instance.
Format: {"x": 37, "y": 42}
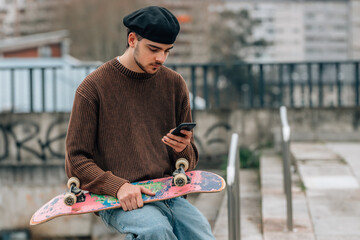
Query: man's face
{"x": 149, "y": 55}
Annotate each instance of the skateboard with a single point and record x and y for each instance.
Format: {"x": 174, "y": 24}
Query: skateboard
{"x": 77, "y": 201}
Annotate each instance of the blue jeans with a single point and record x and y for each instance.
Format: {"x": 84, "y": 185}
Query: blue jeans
{"x": 170, "y": 219}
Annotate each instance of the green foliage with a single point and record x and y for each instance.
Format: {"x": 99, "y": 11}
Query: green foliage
{"x": 302, "y": 186}
{"x": 249, "y": 158}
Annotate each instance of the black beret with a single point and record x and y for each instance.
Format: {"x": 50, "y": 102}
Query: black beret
{"x": 154, "y": 23}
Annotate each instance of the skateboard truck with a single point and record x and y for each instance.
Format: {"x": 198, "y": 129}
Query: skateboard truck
{"x": 180, "y": 178}
{"x": 75, "y": 194}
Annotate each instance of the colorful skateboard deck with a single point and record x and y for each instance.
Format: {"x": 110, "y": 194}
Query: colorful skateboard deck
{"x": 201, "y": 181}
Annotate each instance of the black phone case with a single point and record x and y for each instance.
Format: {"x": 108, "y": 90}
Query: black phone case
{"x": 183, "y": 126}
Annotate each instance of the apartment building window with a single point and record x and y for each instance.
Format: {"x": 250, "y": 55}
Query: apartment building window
{"x": 340, "y": 27}
{"x": 310, "y": 15}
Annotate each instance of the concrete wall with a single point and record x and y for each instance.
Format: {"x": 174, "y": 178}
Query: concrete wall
{"x": 259, "y": 126}
{"x": 32, "y": 155}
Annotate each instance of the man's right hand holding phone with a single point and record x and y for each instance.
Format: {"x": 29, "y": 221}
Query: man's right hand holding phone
{"x": 177, "y": 143}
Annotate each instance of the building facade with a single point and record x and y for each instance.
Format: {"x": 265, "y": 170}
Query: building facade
{"x": 307, "y": 30}
{"x": 316, "y": 30}
{"x": 24, "y": 17}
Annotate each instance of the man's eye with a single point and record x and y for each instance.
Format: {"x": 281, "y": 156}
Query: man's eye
{"x": 153, "y": 50}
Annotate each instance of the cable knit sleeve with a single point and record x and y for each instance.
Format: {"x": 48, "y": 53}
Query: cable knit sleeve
{"x": 81, "y": 144}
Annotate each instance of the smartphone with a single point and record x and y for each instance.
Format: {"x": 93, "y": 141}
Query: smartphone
{"x": 183, "y": 126}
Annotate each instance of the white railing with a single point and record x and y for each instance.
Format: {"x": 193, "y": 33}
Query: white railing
{"x": 233, "y": 189}
{"x": 285, "y": 132}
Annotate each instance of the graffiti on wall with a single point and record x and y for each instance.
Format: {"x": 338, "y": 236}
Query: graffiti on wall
{"x": 25, "y": 139}
{"x": 24, "y": 136}
{"x": 208, "y": 139}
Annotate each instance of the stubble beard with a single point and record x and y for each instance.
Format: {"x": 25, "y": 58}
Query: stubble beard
{"x": 141, "y": 66}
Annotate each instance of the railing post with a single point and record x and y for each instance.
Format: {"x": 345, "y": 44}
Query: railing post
{"x": 12, "y": 84}
{"x": 262, "y": 87}
{"x": 54, "y": 90}
{"x": 43, "y": 89}
{"x": 233, "y": 190}
{"x": 206, "y": 95}
{"x": 309, "y": 73}
{"x": 31, "y": 90}
{"x": 320, "y": 84}
{"x": 291, "y": 85}
{"x": 357, "y": 80}
{"x": 251, "y": 87}
{"x": 338, "y": 82}
{"x": 193, "y": 85}
{"x": 285, "y": 132}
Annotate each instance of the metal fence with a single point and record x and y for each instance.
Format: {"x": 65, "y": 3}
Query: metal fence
{"x": 271, "y": 85}
{"x": 40, "y": 89}
{"x": 215, "y": 85}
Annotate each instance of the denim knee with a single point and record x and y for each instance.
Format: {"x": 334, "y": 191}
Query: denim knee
{"x": 148, "y": 222}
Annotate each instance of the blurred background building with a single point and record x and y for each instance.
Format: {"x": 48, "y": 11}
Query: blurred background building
{"x": 303, "y": 30}
{"x": 293, "y": 30}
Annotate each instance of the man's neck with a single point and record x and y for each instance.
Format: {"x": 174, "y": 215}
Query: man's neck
{"x": 127, "y": 59}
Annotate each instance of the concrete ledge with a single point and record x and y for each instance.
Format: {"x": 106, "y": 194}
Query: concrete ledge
{"x": 274, "y": 217}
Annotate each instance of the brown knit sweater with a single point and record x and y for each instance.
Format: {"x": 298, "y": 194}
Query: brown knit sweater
{"x": 117, "y": 122}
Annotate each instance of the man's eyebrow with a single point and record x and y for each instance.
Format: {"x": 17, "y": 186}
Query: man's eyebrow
{"x": 153, "y": 46}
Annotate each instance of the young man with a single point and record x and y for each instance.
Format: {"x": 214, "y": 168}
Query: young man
{"x": 119, "y": 132}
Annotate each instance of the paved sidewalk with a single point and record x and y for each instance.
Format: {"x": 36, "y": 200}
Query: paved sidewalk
{"x": 330, "y": 172}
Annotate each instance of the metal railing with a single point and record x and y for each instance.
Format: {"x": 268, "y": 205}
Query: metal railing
{"x": 285, "y": 132}
{"x": 271, "y": 85}
{"x": 213, "y": 85}
{"x": 233, "y": 189}
{"x": 40, "y": 88}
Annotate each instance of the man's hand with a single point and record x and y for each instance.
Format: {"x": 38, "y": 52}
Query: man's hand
{"x": 176, "y": 142}
{"x": 130, "y": 196}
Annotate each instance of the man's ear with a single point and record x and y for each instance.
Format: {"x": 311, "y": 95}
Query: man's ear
{"x": 132, "y": 39}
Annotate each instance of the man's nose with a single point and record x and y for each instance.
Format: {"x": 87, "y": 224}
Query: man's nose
{"x": 161, "y": 57}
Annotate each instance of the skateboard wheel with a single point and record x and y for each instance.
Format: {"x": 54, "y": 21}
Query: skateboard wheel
{"x": 180, "y": 180}
{"x": 69, "y": 199}
{"x": 73, "y": 180}
{"x": 182, "y": 161}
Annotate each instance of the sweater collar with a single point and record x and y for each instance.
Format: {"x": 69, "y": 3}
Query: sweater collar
{"x": 129, "y": 73}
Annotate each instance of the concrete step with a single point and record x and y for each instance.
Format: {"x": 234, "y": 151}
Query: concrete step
{"x": 250, "y": 206}
{"x": 209, "y": 204}
{"x": 273, "y": 207}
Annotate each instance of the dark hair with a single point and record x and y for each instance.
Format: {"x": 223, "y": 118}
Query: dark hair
{"x": 139, "y": 38}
